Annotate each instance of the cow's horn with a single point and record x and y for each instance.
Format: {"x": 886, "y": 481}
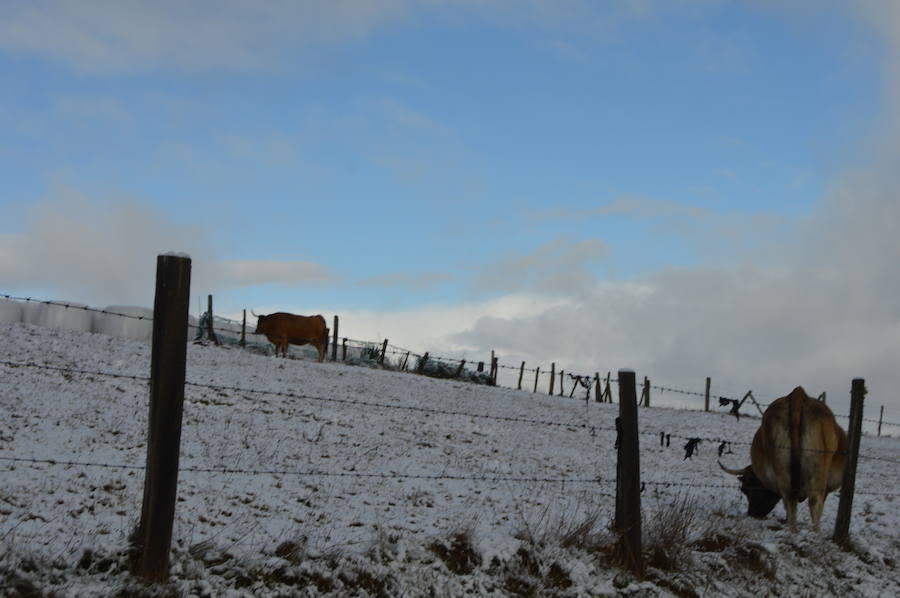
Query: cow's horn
{"x": 732, "y": 471}
{"x": 252, "y": 313}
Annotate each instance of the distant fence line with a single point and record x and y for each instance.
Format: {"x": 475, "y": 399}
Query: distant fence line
{"x": 230, "y": 329}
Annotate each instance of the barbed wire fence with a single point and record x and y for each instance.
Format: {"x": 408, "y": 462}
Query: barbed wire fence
{"x": 372, "y": 353}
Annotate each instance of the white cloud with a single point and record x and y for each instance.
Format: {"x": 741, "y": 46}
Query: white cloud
{"x": 103, "y": 251}
{"x": 421, "y": 281}
{"x": 126, "y": 36}
{"x": 555, "y": 265}
{"x": 239, "y": 273}
{"x": 100, "y": 251}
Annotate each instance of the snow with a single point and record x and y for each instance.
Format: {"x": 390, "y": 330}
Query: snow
{"x": 301, "y": 478}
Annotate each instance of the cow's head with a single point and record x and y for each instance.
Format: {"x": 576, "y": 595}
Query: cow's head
{"x": 760, "y": 500}
{"x": 260, "y": 323}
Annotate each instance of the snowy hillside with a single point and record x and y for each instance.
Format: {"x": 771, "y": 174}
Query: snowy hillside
{"x": 307, "y": 479}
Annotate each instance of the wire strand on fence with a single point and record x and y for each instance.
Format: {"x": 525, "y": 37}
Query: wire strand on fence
{"x": 75, "y": 307}
{"x": 318, "y": 473}
{"x": 353, "y": 402}
{"x": 414, "y": 408}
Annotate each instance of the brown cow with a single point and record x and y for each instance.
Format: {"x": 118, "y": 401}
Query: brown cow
{"x": 282, "y": 328}
{"x": 798, "y": 452}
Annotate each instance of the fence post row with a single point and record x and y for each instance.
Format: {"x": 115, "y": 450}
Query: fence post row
{"x": 628, "y": 477}
{"x": 152, "y": 539}
{"x": 848, "y": 486}
{"x": 334, "y": 340}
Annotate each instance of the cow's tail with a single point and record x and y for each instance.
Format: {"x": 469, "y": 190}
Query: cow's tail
{"x": 795, "y": 419}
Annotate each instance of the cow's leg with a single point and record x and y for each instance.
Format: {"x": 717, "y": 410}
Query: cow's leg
{"x": 816, "y": 504}
{"x": 321, "y": 349}
{"x": 790, "y": 507}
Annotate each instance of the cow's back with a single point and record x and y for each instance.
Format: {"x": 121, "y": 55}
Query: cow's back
{"x": 797, "y": 438}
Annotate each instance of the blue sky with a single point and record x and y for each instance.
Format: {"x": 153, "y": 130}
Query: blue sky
{"x": 471, "y": 174}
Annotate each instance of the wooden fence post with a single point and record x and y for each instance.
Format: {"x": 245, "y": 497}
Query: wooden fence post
{"x": 628, "y": 477}
{"x": 552, "y": 377}
{"x": 598, "y": 396}
{"x": 493, "y": 365}
{"x": 496, "y": 368}
{"x": 422, "y": 361}
{"x": 459, "y": 370}
{"x": 848, "y": 486}
{"x": 383, "y": 352}
{"x": 646, "y": 391}
{"x": 244, "y": 330}
{"x": 607, "y": 394}
{"x": 210, "y": 334}
{"x": 152, "y": 539}
{"x": 521, "y": 373}
{"x": 706, "y": 401}
{"x": 537, "y": 374}
{"x": 334, "y": 340}
{"x": 561, "y": 389}
{"x": 880, "y": 419}
{"x": 344, "y": 349}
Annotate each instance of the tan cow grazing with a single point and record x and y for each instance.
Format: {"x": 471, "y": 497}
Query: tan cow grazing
{"x": 798, "y": 452}
{"x": 282, "y": 328}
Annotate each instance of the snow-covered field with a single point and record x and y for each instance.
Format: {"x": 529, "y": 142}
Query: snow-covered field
{"x": 307, "y": 479}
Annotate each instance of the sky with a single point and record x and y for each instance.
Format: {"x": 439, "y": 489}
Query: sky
{"x": 687, "y": 188}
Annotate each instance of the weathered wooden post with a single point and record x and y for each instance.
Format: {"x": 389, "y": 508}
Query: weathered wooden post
{"x": 598, "y": 395}
{"x": 537, "y": 375}
{"x": 521, "y": 373}
{"x": 459, "y": 370}
{"x": 422, "y": 361}
{"x": 495, "y": 366}
{"x": 646, "y": 393}
{"x": 628, "y": 477}
{"x": 334, "y": 339}
{"x": 152, "y": 539}
{"x": 608, "y": 392}
{"x": 880, "y": 419}
{"x": 210, "y": 333}
{"x": 706, "y": 400}
{"x": 561, "y": 389}
{"x": 383, "y": 352}
{"x": 552, "y": 377}
{"x": 848, "y": 486}
{"x": 243, "y": 342}
{"x": 493, "y": 374}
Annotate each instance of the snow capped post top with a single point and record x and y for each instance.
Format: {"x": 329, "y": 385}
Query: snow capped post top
{"x": 175, "y": 254}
